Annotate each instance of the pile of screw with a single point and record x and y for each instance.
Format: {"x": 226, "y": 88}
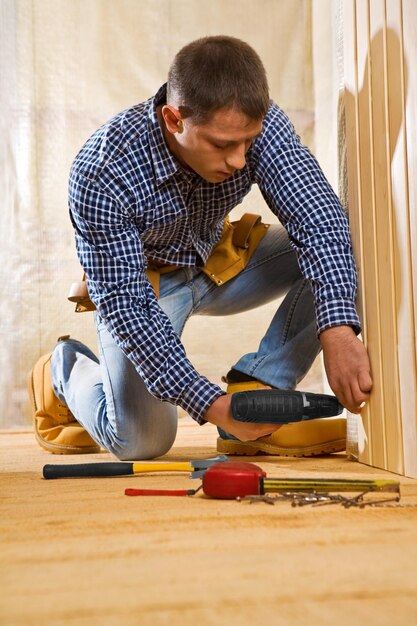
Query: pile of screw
{"x": 322, "y": 499}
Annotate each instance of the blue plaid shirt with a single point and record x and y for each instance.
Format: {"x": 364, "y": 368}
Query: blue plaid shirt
{"x": 130, "y": 200}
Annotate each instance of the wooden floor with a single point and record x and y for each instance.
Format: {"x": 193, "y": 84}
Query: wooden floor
{"x": 79, "y": 552}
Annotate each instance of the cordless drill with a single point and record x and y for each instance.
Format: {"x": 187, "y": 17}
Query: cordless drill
{"x": 277, "y": 406}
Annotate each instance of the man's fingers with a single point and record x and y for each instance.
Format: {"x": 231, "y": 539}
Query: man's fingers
{"x": 343, "y": 392}
{"x": 350, "y": 395}
{"x": 350, "y": 401}
{"x": 357, "y": 398}
{"x": 365, "y": 381}
{"x": 361, "y": 389}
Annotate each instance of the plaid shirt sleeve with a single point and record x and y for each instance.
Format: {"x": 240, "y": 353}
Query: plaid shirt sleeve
{"x": 111, "y": 252}
{"x": 297, "y": 191}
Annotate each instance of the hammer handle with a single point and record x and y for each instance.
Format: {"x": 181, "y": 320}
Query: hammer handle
{"x": 87, "y": 470}
{"x": 95, "y": 470}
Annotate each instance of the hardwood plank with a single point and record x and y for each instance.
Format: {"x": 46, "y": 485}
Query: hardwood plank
{"x": 408, "y": 213}
{"x": 401, "y": 235}
{"x": 374, "y": 443}
{"x": 357, "y": 425}
{"x": 384, "y": 228}
{"x": 78, "y": 551}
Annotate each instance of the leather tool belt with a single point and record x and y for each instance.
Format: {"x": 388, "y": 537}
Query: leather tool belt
{"x": 228, "y": 258}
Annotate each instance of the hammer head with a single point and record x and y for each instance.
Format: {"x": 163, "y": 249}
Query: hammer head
{"x": 200, "y": 466}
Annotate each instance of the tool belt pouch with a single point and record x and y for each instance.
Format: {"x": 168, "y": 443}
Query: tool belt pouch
{"x": 78, "y": 293}
{"x": 228, "y": 258}
{"x": 232, "y": 253}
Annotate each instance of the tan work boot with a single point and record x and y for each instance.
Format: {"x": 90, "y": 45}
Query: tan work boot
{"x": 56, "y": 429}
{"x": 307, "y": 438}
{"x": 237, "y": 381}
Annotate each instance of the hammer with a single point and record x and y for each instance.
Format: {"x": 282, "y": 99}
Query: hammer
{"x": 197, "y": 468}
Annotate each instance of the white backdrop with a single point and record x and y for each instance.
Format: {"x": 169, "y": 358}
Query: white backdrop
{"x": 65, "y": 68}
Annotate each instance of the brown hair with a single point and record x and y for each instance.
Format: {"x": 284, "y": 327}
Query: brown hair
{"x": 214, "y": 73}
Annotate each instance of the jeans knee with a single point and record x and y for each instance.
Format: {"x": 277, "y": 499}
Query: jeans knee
{"x": 141, "y": 450}
{"x": 147, "y": 441}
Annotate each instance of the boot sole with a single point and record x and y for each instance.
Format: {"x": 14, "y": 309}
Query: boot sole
{"x": 252, "y": 448}
{"x": 54, "y": 448}
{"x": 245, "y": 386}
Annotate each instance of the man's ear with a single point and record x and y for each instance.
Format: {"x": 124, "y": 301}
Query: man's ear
{"x": 172, "y": 119}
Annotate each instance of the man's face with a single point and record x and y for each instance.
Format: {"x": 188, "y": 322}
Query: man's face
{"x": 216, "y": 149}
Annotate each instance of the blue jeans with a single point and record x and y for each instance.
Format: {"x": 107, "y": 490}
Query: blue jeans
{"x": 108, "y": 397}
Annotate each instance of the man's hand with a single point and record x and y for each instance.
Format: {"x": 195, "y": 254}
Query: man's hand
{"x": 347, "y": 366}
{"x": 219, "y": 413}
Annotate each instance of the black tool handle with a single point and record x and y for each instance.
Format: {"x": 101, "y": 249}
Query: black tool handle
{"x": 87, "y": 470}
{"x": 276, "y": 406}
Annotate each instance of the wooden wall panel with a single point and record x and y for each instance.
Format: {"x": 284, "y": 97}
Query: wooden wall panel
{"x": 355, "y": 166}
{"x": 373, "y": 428}
{"x": 382, "y": 215}
{"x": 407, "y": 229}
{"x": 387, "y": 270}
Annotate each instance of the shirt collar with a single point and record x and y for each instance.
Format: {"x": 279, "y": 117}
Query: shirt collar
{"x": 164, "y": 162}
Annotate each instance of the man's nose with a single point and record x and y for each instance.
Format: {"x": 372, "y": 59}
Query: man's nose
{"x": 236, "y": 157}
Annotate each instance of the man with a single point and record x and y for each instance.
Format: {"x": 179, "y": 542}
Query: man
{"x": 150, "y": 191}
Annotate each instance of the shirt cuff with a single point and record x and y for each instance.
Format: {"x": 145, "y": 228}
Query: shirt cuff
{"x": 338, "y": 312}
{"x": 198, "y": 397}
